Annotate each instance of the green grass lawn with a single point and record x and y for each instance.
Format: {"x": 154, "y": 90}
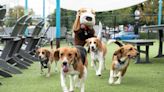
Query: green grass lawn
{"x": 139, "y": 77}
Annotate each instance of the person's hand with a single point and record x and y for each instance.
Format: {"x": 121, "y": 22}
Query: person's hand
{"x": 78, "y": 14}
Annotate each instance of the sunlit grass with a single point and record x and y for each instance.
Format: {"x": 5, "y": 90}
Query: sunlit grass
{"x": 139, "y": 77}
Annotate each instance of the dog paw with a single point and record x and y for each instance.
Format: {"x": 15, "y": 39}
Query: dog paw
{"x": 71, "y": 91}
{"x": 117, "y": 82}
{"x": 115, "y": 76}
{"x": 98, "y": 74}
{"x": 47, "y": 75}
{"x": 111, "y": 81}
{"x": 65, "y": 90}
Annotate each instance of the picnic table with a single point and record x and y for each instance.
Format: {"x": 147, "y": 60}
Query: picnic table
{"x": 160, "y": 29}
{"x": 139, "y": 43}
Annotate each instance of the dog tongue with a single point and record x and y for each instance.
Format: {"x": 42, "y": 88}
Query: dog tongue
{"x": 65, "y": 69}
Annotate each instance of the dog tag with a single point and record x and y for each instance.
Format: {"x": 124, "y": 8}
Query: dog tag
{"x": 85, "y": 33}
{"x": 44, "y": 64}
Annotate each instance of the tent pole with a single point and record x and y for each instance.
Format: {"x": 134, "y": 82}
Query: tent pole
{"x": 160, "y": 31}
{"x": 159, "y": 11}
{"x": 26, "y": 7}
{"x": 26, "y": 12}
{"x": 44, "y": 10}
{"x": 57, "y": 23}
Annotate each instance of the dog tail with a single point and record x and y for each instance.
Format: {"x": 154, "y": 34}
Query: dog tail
{"x": 115, "y": 41}
{"x": 51, "y": 44}
{"x": 99, "y": 35}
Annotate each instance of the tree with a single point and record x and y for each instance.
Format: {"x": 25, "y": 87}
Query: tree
{"x": 15, "y": 13}
{"x": 67, "y": 18}
{"x": 149, "y": 12}
{"x": 107, "y": 18}
{"x": 117, "y": 17}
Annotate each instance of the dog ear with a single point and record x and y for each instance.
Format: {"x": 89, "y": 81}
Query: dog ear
{"x": 34, "y": 51}
{"x": 122, "y": 50}
{"x": 93, "y": 11}
{"x": 37, "y": 52}
{"x": 119, "y": 51}
{"x": 77, "y": 54}
{"x": 99, "y": 44}
{"x": 76, "y": 25}
{"x": 76, "y": 58}
{"x": 87, "y": 42}
{"x": 56, "y": 54}
{"x": 47, "y": 53}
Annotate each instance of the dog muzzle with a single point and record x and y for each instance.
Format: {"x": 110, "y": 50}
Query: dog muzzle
{"x": 44, "y": 63}
{"x": 87, "y": 19}
{"x": 65, "y": 67}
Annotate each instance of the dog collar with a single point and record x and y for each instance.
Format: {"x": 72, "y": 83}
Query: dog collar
{"x": 95, "y": 51}
{"x": 44, "y": 63}
{"x": 121, "y": 62}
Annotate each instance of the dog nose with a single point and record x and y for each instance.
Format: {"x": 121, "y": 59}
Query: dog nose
{"x": 64, "y": 63}
{"x": 138, "y": 53}
{"x": 40, "y": 57}
{"x": 89, "y": 18}
{"x": 92, "y": 47}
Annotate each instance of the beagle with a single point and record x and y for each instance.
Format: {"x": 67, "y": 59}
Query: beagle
{"x": 74, "y": 64}
{"x": 120, "y": 62}
{"x": 46, "y": 58}
{"x": 97, "y": 51}
{"x": 83, "y": 26}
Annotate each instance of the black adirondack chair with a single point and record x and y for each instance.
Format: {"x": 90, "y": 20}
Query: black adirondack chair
{"x": 12, "y": 58}
{"x": 31, "y": 43}
{"x": 11, "y": 42}
{"x": 5, "y": 73}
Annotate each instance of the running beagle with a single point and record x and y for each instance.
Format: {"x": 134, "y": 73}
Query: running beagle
{"x": 97, "y": 51}
{"x": 74, "y": 64}
{"x": 46, "y": 58}
{"x": 120, "y": 62}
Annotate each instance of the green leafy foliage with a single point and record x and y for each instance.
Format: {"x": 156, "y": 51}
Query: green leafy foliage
{"x": 15, "y": 13}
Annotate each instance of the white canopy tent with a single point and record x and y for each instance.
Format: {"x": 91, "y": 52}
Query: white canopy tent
{"x": 99, "y": 5}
